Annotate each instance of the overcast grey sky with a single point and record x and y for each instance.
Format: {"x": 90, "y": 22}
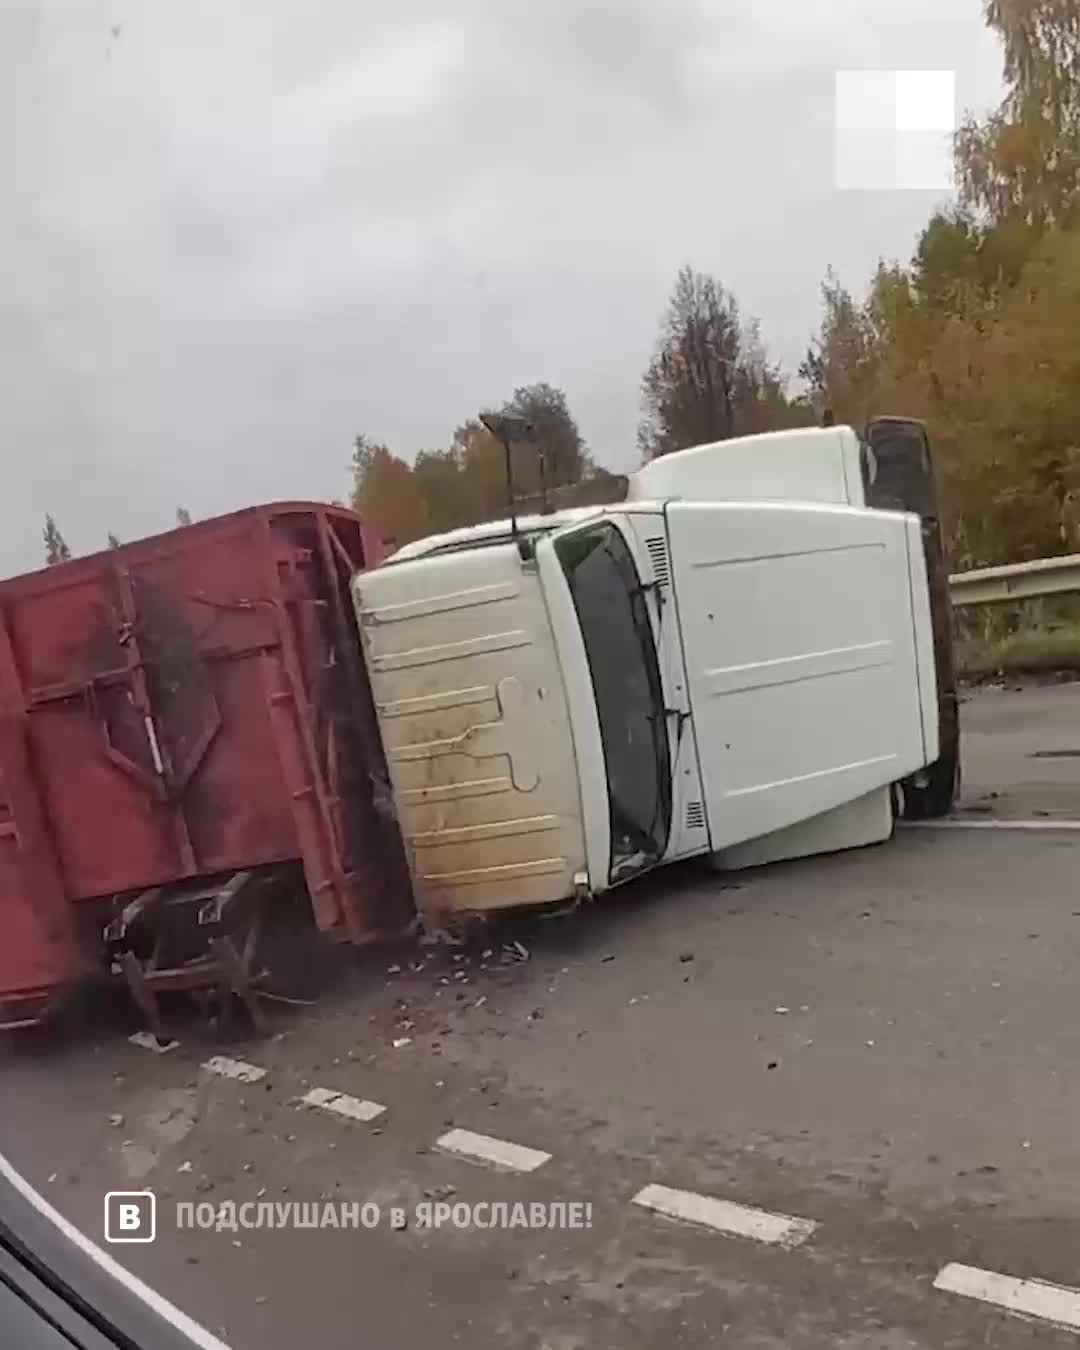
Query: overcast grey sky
{"x": 236, "y": 234}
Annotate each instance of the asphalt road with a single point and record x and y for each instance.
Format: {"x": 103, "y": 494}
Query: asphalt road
{"x": 882, "y": 1043}
{"x": 1021, "y": 750}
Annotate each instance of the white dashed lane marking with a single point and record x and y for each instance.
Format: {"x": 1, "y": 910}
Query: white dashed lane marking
{"x": 723, "y": 1216}
{"x": 1054, "y": 1303}
{"x": 496, "y": 1152}
{"x": 234, "y": 1068}
{"x": 959, "y": 823}
{"x": 342, "y": 1104}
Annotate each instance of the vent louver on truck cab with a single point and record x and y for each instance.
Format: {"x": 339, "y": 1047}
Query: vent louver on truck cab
{"x": 658, "y": 555}
{"x": 695, "y": 816}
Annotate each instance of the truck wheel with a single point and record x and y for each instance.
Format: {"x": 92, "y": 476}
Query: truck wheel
{"x": 935, "y": 797}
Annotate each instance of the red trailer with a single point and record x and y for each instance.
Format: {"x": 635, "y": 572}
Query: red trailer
{"x": 177, "y": 715}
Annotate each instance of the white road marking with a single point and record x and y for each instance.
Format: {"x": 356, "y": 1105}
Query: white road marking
{"x": 146, "y": 1040}
{"x": 1054, "y": 1303}
{"x": 196, "y": 1334}
{"x": 342, "y": 1104}
{"x": 234, "y": 1068}
{"x": 498, "y": 1152}
{"x": 958, "y": 823}
{"x": 726, "y": 1217}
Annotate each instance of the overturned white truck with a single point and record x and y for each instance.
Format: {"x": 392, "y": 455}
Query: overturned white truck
{"x": 738, "y": 659}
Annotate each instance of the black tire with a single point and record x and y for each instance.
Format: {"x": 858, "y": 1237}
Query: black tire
{"x": 937, "y": 796}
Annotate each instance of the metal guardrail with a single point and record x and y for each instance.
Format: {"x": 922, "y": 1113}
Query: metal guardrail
{"x": 1016, "y": 581}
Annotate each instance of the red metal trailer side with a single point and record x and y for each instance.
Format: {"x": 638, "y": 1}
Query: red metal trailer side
{"x": 184, "y": 707}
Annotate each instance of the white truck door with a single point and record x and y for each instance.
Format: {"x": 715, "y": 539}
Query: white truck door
{"x": 689, "y": 827}
{"x": 801, "y": 633}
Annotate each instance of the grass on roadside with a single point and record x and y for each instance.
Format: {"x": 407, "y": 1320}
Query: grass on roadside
{"x": 1028, "y": 651}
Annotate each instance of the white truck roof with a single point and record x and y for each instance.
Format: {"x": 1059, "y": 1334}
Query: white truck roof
{"x": 808, "y": 464}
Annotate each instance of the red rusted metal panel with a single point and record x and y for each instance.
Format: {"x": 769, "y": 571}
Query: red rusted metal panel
{"x": 180, "y": 707}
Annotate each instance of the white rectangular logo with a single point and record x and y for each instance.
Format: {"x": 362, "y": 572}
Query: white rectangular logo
{"x": 130, "y": 1216}
{"x": 895, "y": 129}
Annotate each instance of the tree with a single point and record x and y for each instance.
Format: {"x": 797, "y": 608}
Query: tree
{"x": 566, "y": 458}
{"x": 990, "y": 366}
{"x": 443, "y": 489}
{"x": 1023, "y": 162}
{"x": 760, "y": 399}
{"x": 385, "y": 493}
{"x": 839, "y": 365}
{"x": 710, "y": 377}
{"x": 979, "y": 335}
{"x": 183, "y": 517}
{"x": 466, "y": 483}
{"x": 483, "y": 468}
{"x": 687, "y": 391}
{"x": 56, "y": 549}
{"x": 949, "y": 257}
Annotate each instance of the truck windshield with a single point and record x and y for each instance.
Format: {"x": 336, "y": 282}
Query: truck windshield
{"x": 614, "y": 621}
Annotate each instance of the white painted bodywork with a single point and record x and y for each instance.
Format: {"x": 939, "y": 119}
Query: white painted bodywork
{"x": 581, "y": 713}
{"x": 866, "y": 820}
{"x": 811, "y": 464}
{"x": 490, "y": 531}
{"x": 475, "y": 725}
{"x": 802, "y": 658}
{"x": 796, "y": 660}
{"x": 647, "y": 532}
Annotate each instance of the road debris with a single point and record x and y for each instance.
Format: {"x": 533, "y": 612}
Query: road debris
{"x": 436, "y": 937}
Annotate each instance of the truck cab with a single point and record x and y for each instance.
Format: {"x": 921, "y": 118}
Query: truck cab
{"x": 569, "y": 700}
